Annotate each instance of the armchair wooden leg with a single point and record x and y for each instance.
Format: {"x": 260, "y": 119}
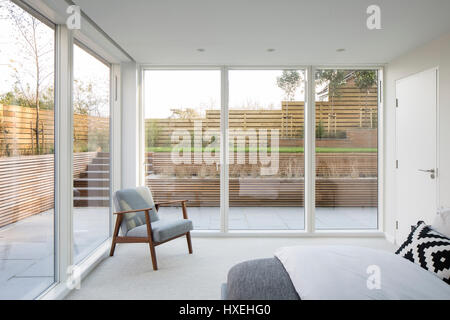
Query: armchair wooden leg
{"x": 116, "y": 233}
{"x": 188, "y": 235}
{"x": 113, "y": 247}
{"x": 188, "y": 238}
{"x": 153, "y": 254}
{"x": 150, "y": 240}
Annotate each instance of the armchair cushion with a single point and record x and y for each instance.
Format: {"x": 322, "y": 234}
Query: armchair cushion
{"x": 163, "y": 230}
{"x": 131, "y": 199}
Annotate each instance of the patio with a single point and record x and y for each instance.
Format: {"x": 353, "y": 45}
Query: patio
{"x": 26, "y": 247}
{"x": 281, "y": 218}
{"x": 26, "y": 250}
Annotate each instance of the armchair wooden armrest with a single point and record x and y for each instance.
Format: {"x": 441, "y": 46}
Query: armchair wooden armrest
{"x": 170, "y": 202}
{"x": 183, "y": 206}
{"x": 135, "y": 210}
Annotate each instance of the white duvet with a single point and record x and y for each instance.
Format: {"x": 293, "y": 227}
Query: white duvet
{"x": 348, "y": 272}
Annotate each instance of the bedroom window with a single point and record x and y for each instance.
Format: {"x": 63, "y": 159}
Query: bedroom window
{"x": 27, "y": 153}
{"x": 266, "y": 163}
{"x": 346, "y": 119}
{"x": 261, "y": 112}
{"x": 182, "y": 142}
{"x": 91, "y": 152}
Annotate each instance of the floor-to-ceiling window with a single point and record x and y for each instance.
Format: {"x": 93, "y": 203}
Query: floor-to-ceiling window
{"x": 182, "y": 142}
{"x": 91, "y": 152}
{"x": 266, "y": 162}
{"x": 346, "y": 149}
{"x": 262, "y": 112}
{"x": 27, "y": 148}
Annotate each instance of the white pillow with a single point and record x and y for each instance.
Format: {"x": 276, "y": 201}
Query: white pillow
{"x": 441, "y": 223}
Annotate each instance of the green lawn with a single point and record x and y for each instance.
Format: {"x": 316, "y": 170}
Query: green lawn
{"x": 281, "y": 149}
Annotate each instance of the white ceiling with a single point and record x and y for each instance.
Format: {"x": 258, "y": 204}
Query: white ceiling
{"x": 239, "y": 32}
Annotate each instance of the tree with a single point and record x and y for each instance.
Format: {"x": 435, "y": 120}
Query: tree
{"x": 365, "y": 80}
{"x": 87, "y": 100}
{"x": 16, "y": 98}
{"x": 334, "y": 79}
{"x": 187, "y": 113}
{"x": 8, "y": 98}
{"x": 33, "y": 66}
{"x": 289, "y": 82}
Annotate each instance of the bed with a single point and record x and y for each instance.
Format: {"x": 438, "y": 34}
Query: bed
{"x": 332, "y": 273}
{"x": 260, "y": 279}
{"x": 419, "y": 269}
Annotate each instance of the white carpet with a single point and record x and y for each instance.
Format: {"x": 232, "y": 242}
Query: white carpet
{"x": 129, "y": 274}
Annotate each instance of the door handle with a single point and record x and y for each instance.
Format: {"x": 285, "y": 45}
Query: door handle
{"x": 431, "y": 171}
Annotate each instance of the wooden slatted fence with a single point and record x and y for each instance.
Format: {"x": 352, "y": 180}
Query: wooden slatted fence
{"x": 350, "y": 111}
{"x": 343, "y": 180}
{"x": 18, "y": 138}
{"x": 260, "y": 192}
{"x": 327, "y": 164}
{"x": 27, "y": 184}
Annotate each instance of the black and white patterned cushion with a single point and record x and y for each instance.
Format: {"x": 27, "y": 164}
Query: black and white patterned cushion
{"x": 429, "y": 249}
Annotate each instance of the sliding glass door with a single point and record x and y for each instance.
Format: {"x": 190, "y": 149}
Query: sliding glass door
{"x": 266, "y": 162}
{"x": 182, "y": 142}
{"x": 346, "y": 149}
{"x": 263, "y": 116}
{"x": 91, "y": 152}
{"x": 27, "y": 149}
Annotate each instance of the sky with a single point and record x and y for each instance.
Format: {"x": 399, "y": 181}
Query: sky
{"x": 200, "y": 90}
{"x": 86, "y": 67}
{"x": 89, "y": 69}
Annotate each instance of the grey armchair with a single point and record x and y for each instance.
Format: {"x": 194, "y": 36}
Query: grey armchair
{"x": 139, "y": 221}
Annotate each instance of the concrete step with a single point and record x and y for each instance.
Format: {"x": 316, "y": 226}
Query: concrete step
{"x": 95, "y": 174}
{"x": 88, "y": 182}
{"x": 98, "y": 167}
{"x": 102, "y": 154}
{"x": 91, "y": 202}
{"x": 100, "y": 161}
{"x": 149, "y": 168}
{"x": 92, "y": 192}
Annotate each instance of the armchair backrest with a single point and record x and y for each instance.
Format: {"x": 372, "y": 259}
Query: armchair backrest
{"x": 132, "y": 199}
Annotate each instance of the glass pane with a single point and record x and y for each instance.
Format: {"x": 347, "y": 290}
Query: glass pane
{"x": 91, "y": 160}
{"x": 182, "y": 133}
{"x": 26, "y": 154}
{"x": 266, "y": 164}
{"x": 346, "y": 149}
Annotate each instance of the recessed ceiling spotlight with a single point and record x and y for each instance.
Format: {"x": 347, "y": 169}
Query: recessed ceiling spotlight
{"x": 340, "y": 50}
{"x": 270, "y": 50}
{"x": 201, "y": 50}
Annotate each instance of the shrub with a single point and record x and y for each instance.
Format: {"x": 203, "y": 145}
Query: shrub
{"x": 152, "y": 132}
{"x": 320, "y": 130}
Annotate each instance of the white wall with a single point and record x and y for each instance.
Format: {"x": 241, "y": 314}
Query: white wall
{"x": 433, "y": 54}
{"x": 130, "y": 128}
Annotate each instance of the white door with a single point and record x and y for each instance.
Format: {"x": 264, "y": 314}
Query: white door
{"x": 417, "y": 171}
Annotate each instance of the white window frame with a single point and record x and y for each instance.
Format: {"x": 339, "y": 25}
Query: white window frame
{"x": 112, "y": 54}
{"x": 310, "y": 229}
{"x": 114, "y": 146}
{"x": 64, "y": 239}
